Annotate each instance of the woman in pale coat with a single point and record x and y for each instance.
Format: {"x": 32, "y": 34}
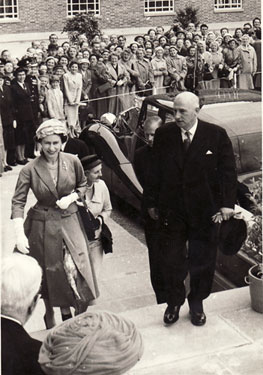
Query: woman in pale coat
{"x": 159, "y": 68}
{"x": 53, "y": 233}
{"x": 73, "y": 89}
{"x": 118, "y": 78}
{"x": 98, "y": 202}
{"x": 247, "y": 59}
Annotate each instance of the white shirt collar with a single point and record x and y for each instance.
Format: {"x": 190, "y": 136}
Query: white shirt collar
{"x": 191, "y": 131}
{"x": 10, "y": 318}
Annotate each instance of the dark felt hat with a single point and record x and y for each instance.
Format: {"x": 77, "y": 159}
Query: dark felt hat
{"x": 139, "y": 36}
{"x": 24, "y": 63}
{"x": 90, "y": 161}
{"x": 232, "y": 234}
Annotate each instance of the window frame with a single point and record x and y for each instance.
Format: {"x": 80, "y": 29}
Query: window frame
{"x": 230, "y": 9}
{"x": 158, "y": 13}
{"x": 71, "y": 14}
{"x": 11, "y": 19}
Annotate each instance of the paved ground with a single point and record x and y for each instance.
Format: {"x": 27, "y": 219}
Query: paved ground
{"x": 231, "y": 343}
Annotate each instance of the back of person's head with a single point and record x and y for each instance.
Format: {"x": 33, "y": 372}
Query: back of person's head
{"x": 20, "y": 283}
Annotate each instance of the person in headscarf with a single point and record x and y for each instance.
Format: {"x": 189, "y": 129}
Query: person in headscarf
{"x": 98, "y": 343}
{"x": 53, "y": 233}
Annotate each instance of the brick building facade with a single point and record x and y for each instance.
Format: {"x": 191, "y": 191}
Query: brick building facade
{"x": 31, "y": 16}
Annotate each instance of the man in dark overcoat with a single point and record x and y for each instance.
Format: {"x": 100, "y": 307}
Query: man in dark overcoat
{"x": 193, "y": 177}
{"x": 20, "y": 283}
{"x": 143, "y": 159}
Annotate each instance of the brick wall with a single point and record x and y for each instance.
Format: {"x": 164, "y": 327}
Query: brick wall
{"x": 49, "y": 15}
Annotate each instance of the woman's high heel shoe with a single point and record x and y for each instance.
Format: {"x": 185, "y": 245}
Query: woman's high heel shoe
{"x": 50, "y": 323}
{"x": 66, "y": 316}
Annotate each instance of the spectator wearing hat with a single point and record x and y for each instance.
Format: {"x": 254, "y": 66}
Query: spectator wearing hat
{"x": 140, "y": 39}
{"x": 159, "y": 67}
{"x": 20, "y": 283}
{"x": 177, "y": 69}
{"x": 94, "y": 343}
{"x": 8, "y": 124}
{"x": 118, "y": 79}
{"x": 127, "y": 63}
{"x": 226, "y": 39}
{"x": 55, "y": 100}
{"x": 145, "y": 79}
{"x": 52, "y": 233}
{"x": 25, "y": 130}
{"x": 247, "y": 59}
{"x": 231, "y": 64}
{"x": 50, "y": 63}
{"x": 98, "y": 202}
{"x": 134, "y": 47}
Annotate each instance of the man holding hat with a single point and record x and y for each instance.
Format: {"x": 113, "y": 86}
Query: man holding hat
{"x": 191, "y": 187}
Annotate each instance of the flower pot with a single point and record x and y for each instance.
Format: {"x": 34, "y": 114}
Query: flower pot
{"x": 255, "y": 281}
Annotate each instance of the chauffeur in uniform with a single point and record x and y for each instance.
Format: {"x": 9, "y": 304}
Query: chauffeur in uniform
{"x": 192, "y": 178}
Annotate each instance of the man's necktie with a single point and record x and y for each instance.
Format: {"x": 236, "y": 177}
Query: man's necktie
{"x": 187, "y": 141}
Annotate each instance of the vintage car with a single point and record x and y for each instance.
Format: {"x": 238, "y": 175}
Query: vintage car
{"x": 238, "y": 111}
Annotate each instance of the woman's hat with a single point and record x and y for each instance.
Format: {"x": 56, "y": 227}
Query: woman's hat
{"x": 83, "y": 61}
{"x": 233, "y": 40}
{"x": 90, "y": 161}
{"x": 139, "y": 36}
{"x": 232, "y": 234}
{"x": 91, "y": 343}
{"x": 50, "y": 127}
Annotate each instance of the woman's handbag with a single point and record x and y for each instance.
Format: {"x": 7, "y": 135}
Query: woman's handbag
{"x": 106, "y": 237}
{"x": 89, "y": 222}
{"x": 105, "y": 87}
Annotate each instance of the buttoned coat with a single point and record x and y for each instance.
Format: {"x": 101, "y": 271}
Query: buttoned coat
{"x": 47, "y": 226}
{"x": 19, "y": 351}
{"x": 55, "y": 102}
{"x": 22, "y": 102}
{"x": 198, "y": 184}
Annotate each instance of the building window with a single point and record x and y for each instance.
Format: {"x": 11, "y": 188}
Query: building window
{"x": 83, "y": 6}
{"x": 227, "y": 5}
{"x": 159, "y": 6}
{"x": 8, "y": 9}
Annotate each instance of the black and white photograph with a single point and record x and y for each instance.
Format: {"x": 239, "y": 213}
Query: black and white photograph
{"x": 131, "y": 187}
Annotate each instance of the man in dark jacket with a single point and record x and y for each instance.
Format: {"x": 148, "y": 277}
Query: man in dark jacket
{"x": 193, "y": 177}
{"x": 142, "y": 163}
{"x": 20, "y": 283}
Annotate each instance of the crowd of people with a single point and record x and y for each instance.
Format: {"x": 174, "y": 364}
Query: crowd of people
{"x": 74, "y": 80}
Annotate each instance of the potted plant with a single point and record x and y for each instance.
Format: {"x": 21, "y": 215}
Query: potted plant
{"x": 253, "y": 248}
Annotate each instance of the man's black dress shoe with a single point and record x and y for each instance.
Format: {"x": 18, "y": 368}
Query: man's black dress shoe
{"x": 7, "y": 168}
{"x": 197, "y": 318}
{"x": 171, "y": 314}
{"x": 13, "y": 164}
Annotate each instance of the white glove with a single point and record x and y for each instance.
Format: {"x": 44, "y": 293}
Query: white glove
{"x": 21, "y": 240}
{"x": 66, "y": 201}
